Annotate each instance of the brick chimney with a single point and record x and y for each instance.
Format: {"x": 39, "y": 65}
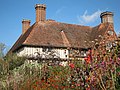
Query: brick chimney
{"x": 106, "y": 17}
{"x": 40, "y": 12}
{"x": 25, "y": 25}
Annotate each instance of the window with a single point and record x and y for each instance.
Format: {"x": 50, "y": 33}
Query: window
{"x": 44, "y": 49}
{"x": 65, "y": 51}
{"x": 66, "y": 56}
{"x": 108, "y": 46}
{"x": 83, "y": 53}
{"x": 110, "y": 32}
{"x": 49, "y": 49}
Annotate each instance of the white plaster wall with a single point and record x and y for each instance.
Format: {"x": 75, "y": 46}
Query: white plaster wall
{"x": 33, "y": 52}
{"x": 21, "y": 52}
{"x": 63, "y": 53}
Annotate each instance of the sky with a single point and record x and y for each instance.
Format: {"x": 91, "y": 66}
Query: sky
{"x": 81, "y": 12}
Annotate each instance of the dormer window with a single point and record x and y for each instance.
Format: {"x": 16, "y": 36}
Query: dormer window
{"x": 110, "y": 32}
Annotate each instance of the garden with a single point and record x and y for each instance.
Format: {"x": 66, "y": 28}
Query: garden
{"x": 100, "y": 70}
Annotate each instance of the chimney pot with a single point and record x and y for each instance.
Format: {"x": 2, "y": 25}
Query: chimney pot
{"x": 25, "y": 25}
{"x": 106, "y": 17}
{"x": 40, "y": 12}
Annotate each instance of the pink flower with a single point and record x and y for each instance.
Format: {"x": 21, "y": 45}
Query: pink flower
{"x": 103, "y": 63}
{"x": 119, "y": 58}
{"x": 78, "y": 84}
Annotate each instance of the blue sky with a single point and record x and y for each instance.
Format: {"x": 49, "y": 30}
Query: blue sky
{"x": 85, "y": 12}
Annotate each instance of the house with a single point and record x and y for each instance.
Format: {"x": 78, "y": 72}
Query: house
{"x": 47, "y": 38}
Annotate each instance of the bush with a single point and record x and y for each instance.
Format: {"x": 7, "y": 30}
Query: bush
{"x": 2, "y": 48}
{"x": 10, "y": 62}
{"x": 14, "y": 61}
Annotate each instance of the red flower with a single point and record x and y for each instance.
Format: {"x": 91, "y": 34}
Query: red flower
{"x": 34, "y": 86}
{"x": 56, "y": 86}
{"x": 87, "y": 59}
{"x": 88, "y": 88}
{"x": 42, "y": 80}
{"x": 71, "y": 65}
{"x": 37, "y": 82}
{"x": 53, "y": 85}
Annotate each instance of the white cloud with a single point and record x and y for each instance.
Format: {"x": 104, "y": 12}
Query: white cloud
{"x": 60, "y": 10}
{"x": 86, "y": 18}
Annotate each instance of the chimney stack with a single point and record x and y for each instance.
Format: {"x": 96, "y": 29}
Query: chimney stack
{"x": 25, "y": 25}
{"x": 40, "y": 12}
{"x": 106, "y": 17}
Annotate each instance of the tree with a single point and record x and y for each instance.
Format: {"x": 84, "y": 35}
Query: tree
{"x": 2, "y": 48}
{"x": 119, "y": 35}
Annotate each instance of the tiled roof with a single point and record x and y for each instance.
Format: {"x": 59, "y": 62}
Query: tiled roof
{"x": 98, "y": 31}
{"x": 55, "y": 34}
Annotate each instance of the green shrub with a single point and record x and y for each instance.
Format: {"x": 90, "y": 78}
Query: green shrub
{"x": 14, "y": 61}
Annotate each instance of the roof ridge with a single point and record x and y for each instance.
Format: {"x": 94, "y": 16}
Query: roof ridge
{"x": 68, "y": 24}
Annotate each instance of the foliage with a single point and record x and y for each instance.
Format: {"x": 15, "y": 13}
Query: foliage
{"x": 101, "y": 72}
{"x": 10, "y": 62}
{"x": 2, "y": 47}
{"x": 14, "y": 61}
{"x": 73, "y": 76}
